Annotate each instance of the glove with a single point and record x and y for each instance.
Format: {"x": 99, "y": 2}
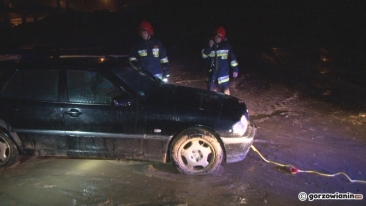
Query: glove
{"x": 134, "y": 64}
{"x": 235, "y": 74}
{"x": 166, "y": 73}
{"x": 165, "y": 79}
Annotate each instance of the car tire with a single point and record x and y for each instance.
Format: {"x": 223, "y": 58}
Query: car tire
{"x": 9, "y": 154}
{"x": 196, "y": 152}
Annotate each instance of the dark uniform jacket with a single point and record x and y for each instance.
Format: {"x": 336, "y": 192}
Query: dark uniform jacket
{"x": 220, "y": 68}
{"x": 151, "y": 56}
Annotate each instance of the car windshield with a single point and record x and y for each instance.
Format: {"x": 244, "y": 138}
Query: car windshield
{"x": 144, "y": 84}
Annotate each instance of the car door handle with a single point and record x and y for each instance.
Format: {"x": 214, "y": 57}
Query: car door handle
{"x": 74, "y": 112}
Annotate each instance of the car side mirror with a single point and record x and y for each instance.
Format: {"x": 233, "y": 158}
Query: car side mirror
{"x": 122, "y": 101}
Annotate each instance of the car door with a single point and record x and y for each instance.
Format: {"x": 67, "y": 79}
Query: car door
{"x": 30, "y": 103}
{"x": 94, "y": 126}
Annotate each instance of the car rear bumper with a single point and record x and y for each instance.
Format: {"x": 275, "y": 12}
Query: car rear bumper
{"x": 237, "y": 148}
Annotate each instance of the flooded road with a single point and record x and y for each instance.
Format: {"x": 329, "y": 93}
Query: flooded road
{"x": 39, "y": 181}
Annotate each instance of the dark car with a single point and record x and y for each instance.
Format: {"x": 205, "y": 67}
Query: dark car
{"x": 107, "y": 108}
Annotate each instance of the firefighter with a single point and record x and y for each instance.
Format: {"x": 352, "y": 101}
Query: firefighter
{"x": 149, "y": 53}
{"x": 222, "y": 61}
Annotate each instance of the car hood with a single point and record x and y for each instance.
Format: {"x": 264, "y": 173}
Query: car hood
{"x": 189, "y": 97}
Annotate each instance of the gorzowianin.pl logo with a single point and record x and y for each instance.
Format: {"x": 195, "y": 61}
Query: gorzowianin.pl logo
{"x": 329, "y": 196}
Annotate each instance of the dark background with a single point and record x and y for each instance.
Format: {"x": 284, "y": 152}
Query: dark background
{"x": 290, "y": 40}
{"x": 335, "y": 23}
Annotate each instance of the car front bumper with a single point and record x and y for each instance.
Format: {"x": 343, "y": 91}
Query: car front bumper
{"x": 237, "y": 148}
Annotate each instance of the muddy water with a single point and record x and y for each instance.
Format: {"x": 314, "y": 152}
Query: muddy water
{"x": 50, "y": 181}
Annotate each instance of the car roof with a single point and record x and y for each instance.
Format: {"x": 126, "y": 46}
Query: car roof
{"x": 51, "y": 60}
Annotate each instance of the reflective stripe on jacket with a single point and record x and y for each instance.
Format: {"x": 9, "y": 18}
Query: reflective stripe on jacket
{"x": 225, "y": 58}
{"x": 150, "y": 55}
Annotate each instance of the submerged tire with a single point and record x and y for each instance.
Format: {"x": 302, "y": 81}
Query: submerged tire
{"x": 196, "y": 152}
{"x": 9, "y": 154}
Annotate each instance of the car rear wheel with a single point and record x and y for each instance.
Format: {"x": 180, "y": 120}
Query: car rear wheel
{"x": 8, "y": 152}
{"x": 196, "y": 152}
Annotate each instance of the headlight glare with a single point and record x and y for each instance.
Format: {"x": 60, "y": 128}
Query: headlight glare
{"x": 241, "y": 126}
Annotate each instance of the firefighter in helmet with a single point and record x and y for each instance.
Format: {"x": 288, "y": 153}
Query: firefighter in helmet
{"x": 149, "y": 53}
{"x": 222, "y": 60}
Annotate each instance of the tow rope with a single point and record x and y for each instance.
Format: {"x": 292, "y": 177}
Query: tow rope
{"x": 295, "y": 170}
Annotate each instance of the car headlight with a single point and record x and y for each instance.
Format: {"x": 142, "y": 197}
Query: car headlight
{"x": 241, "y": 126}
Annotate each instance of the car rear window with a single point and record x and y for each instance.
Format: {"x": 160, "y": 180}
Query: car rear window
{"x": 6, "y": 69}
{"x": 38, "y": 85}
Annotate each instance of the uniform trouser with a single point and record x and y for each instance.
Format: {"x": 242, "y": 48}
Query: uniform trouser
{"x": 213, "y": 84}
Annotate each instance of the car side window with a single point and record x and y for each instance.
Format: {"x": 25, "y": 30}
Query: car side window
{"x": 90, "y": 87}
{"x": 38, "y": 85}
